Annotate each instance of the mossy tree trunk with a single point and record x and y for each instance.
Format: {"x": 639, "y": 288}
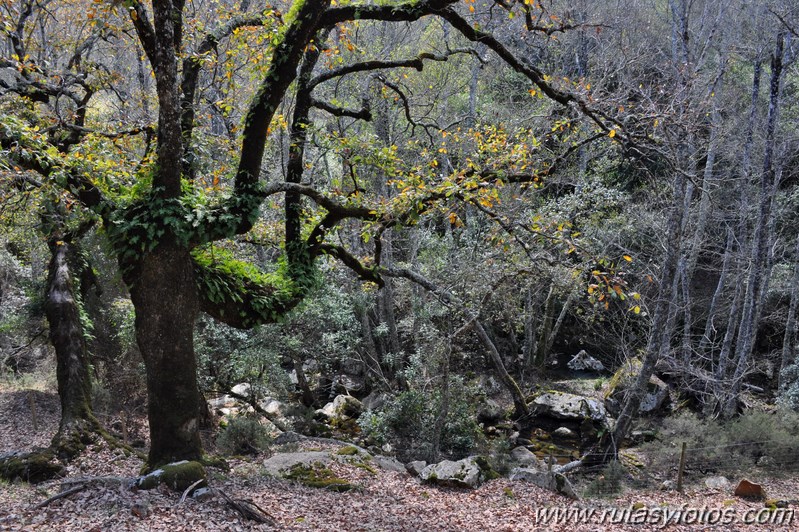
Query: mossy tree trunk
{"x": 62, "y": 307}
{"x": 63, "y": 310}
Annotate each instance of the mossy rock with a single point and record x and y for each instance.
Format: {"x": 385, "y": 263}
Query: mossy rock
{"x": 317, "y": 476}
{"x": 31, "y": 467}
{"x": 624, "y": 376}
{"x": 177, "y": 476}
{"x": 489, "y": 473}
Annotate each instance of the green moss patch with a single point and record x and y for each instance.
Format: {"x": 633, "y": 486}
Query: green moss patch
{"x": 318, "y": 476}
{"x": 349, "y": 450}
{"x": 489, "y": 473}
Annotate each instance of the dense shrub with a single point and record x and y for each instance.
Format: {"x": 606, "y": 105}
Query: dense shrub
{"x": 243, "y": 435}
{"x": 408, "y": 421}
{"x": 766, "y": 439}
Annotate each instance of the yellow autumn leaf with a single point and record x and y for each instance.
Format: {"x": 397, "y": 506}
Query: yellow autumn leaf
{"x": 637, "y": 309}
{"x": 612, "y": 133}
{"x": 627, "y": 258}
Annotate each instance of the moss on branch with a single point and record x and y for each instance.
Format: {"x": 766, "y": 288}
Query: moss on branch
{"x": 240, "y": 295}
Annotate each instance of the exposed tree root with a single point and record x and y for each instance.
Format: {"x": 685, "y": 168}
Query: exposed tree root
{"x": 70, "y": 440}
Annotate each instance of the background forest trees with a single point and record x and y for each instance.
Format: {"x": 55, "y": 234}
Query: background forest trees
{"x": 446, "y": 189}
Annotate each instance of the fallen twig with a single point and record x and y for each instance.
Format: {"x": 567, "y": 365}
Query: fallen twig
{"x": 188, "y": 490}
{"x": 61, "y": 495}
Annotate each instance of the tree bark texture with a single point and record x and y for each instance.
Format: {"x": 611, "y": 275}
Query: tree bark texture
{"x": 66, "y": 335}
{"x": 164, "y": 296}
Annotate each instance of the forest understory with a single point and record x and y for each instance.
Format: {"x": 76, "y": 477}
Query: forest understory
{"x": 379, "y": 500}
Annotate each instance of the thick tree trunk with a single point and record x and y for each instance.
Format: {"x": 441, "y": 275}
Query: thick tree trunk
{"x": 165, "y": 298}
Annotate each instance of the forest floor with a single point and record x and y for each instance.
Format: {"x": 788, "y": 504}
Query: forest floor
{"x": 383, "y": 500}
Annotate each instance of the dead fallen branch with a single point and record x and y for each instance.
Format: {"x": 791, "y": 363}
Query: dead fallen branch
{"x": 247, "y": 509}
{"x": 61, "y": 495}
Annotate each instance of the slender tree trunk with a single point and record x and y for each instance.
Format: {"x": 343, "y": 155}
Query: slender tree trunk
{"x": 759, "y": 251}
{"x": 789, "y": 339}
{"x": 660, "y": 332}
{"x": 306, "y": 394}
{"x": 545, "y": 328}
{"x": 67, "y": 336}
{"x": 721, "y": 382}
{"x": 387, "y": 302}
{"x": 519, "y": 401}
{"x": 443, "y": 410}
{"x": 553, "y": 333}
{"x": 710, "y": 327}
{"x": 528, "y": 347}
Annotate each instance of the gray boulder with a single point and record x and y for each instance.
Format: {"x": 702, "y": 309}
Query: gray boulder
{"x": 464, "y": 473}
{"x": 288, "y": 437}
{"x": 657, "y": 392}
{"x": 281, "y": 462}
{"x": 567, "y": 406}
{"x": 242, "y": 389}
{"x": 556, "y": 482}
{"x": 525, "y": 458}
{"x": 655, "y": 397}
{"x": 345, "y": 383}
{"x": 718, "y": 483}
{"x": 388, "y": 463}
{"x": 342, "y": 407}
{"x": 273, "y": 407}
{"x": 416, "y": 467}
{"x": 489, "y": 412}
{"x": 563, "y": 432}
{"x": 582, "y": 361}
{"x": 375, "y": 400}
